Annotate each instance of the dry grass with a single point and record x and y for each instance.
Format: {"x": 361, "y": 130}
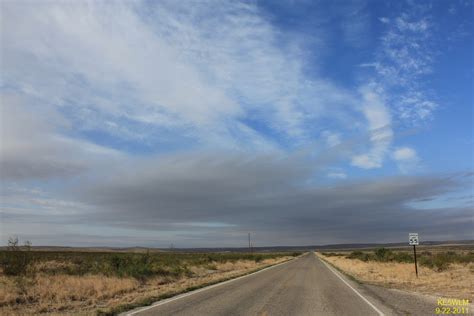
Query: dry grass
{"x": 456, "y": 281}
{"x": 49, "y": 293}
{"x": 83, "y": 295}
{"x": 51, "y": 266}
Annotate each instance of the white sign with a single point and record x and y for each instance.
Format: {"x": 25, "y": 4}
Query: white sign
{"x": 413, "y": 239}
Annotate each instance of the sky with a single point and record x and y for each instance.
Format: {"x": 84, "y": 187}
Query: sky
{"x": 193, "y": 123}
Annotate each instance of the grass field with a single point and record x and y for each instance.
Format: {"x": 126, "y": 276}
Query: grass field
{"x": 88, "y": 283}
{"x": 442, "y": 272}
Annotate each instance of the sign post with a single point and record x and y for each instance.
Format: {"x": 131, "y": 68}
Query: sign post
{"x": 413, "y": 241}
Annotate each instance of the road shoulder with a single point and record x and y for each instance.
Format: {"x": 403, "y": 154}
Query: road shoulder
{"x": 390, "y": 301}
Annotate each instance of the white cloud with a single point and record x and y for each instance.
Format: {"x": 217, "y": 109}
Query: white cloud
{"x": 419, "y": 26}
{"x": 170, "y": 72}
{"x": 337, "y": 175}
{"x": 404, "y": 153}
{"x": 355, "y": 23}
{"x": 405, "y": 57}
{"x": 33, "y": 144}
{"x": 406, "y": 158}
{"x": 414, "y": 106}
{"x": 332, "y": 138}
{"x": 379, "y": 126}
{"x": 110, "y": 56}
{"x": 193, "y": 70}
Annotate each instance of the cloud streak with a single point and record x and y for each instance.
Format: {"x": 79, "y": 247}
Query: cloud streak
{"x": 206, "y": 71}
{"x": 33, "y": 146}
{"x": 193, "y": 198}
{"x": 405, "y": 57}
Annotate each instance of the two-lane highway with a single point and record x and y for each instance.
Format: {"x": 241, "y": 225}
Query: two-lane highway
{"x": 304, "y": 286}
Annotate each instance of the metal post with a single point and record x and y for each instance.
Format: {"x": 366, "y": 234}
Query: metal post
{"x": 416, "y": 267}
{"x": 249, "y": 243}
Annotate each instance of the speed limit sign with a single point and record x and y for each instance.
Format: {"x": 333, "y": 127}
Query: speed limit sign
{"x": 413, "y": 239}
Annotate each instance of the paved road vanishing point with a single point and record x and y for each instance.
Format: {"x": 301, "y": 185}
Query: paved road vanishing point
{"x": 304, "y": 286}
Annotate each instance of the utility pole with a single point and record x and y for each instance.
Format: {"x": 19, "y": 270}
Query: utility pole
{"x": 250, "y": 247}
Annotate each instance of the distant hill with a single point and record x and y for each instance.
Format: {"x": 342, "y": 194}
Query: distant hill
{"x": 331, "y": 246}
{"x": 90, "y": 249}
{"x": 454, "y": 243}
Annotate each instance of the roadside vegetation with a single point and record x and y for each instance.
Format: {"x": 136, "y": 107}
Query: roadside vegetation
{"x": 34, "y": 282}
{"x": 441, "y": 272}
{"x": 438, "y": 261}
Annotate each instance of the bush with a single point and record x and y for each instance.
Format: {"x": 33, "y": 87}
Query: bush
{"x": 210, "y": 266}
{"x": 402, "y": 257}
{"x": 441, "y": 261}
{"x": 15, "y": 261}
{"x": 332, "y": 254}
{"x": 381, "y": 254}
{"x": 438, "y": 261}
{"x": 359, "y": 255}
{"x": 138, "y": 267}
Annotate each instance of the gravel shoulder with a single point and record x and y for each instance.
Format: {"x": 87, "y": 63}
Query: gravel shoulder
{"x": 395, "y": 301}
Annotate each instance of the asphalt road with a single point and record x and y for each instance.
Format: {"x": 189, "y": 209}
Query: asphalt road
{"x": 304, "y": 286}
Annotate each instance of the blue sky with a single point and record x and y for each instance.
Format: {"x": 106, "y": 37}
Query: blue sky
{"x": 303, "y": 122}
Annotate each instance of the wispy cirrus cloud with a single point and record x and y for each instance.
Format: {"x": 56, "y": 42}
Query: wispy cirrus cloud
{"x": 379, "y": 122}
{"x": 207, "y": 74}
{"x": 164, "y": 71}
{"x": 406, "y": 56}
{"x": 395, "y": 92}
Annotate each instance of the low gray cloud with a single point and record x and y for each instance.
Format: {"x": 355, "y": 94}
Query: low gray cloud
{"x": 35, "y": 145}
{"x": 211, "y": 199}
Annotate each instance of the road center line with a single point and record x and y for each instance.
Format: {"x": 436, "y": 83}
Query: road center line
{"x": 180, "y": 296}
{"x": 346, "y": 283}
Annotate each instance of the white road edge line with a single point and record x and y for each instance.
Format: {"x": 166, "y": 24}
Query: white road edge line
{"x": 180, "y": 296}
{"x": 346, "y": 283}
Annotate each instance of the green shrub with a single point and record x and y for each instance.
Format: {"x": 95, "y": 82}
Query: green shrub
{"x": 137, "y": 265}
{"x": 332, "y": 254}
{"x": 438, "y": 261}
{"x": 16, "y": 261}
{"x": 359, "y": 255}
{"x": 402, "y": 257}
{"x": 381, "y": 254}
{"x": 441, "y": 261}
{"x": 210, "y": 266}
